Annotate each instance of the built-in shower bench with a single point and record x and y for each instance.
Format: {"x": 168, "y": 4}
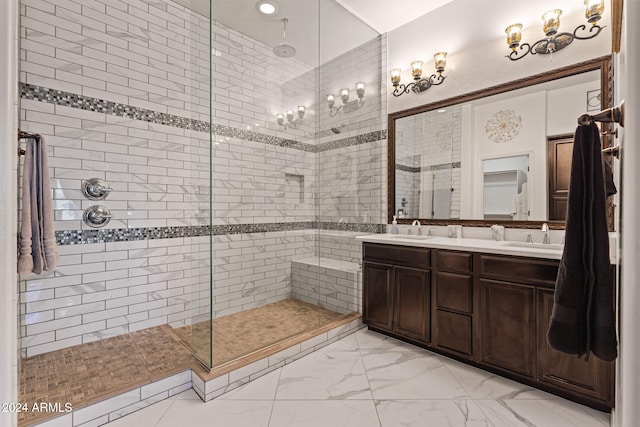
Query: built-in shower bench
{"x": 335, "y": 284}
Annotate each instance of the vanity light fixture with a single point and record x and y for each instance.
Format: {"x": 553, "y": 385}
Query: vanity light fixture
{"x": 553, "y": 40}
{"x": 347, "y": 106}
{"x": 290, "y": 117}
{"x": 267, "y": 7}
{"x": 419, "y": 84}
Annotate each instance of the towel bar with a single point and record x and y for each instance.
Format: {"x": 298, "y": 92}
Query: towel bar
{"x": 610, "y": 115}
{"x": 25, "y": 135}
{"x": 612, "y": 151}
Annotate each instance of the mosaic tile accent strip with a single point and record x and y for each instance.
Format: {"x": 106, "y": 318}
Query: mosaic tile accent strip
{"x": 68, "y": 99}
{"x": 354, "y": 140}
{"x": 454, "y": 165}
{"x": 76, "y": 237}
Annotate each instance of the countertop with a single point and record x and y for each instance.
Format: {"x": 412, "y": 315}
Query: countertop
{"x": 553, "y": 251}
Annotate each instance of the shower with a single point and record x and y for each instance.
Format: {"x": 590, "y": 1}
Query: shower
{"x": 284, "y": 50}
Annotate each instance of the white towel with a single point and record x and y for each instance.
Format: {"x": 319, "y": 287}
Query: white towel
{"x": 38, "y": 250}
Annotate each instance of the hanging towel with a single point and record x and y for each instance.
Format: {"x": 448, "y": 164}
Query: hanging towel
{"x": 582, "y": 320}
{"x": 38, "y": 250}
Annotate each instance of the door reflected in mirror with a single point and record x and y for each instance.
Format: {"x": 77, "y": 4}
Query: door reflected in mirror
{"x": 505, "y": 195}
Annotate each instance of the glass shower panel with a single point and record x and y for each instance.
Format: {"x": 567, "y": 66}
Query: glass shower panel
{"x": 193, "y": 92}
{"x": 350, "y": 143}
{"x": 264, "y": 84}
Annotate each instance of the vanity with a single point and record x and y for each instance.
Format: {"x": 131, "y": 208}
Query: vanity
{"x": 483, "y": 302}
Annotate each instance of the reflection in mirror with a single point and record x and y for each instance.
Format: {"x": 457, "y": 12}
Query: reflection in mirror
{"x": 505, "y": 194}
{"x": 450, "y": 156}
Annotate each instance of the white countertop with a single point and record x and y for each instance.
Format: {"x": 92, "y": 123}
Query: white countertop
{"x": 466, "y": 244}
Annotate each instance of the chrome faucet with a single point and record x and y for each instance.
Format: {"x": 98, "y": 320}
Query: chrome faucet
{"x": 416, "y": 223}
{"x": 545, "y": 231}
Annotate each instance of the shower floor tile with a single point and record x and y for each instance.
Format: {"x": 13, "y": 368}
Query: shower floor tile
{"x": 89, "y": 373}
{"x": 239, "y": 334}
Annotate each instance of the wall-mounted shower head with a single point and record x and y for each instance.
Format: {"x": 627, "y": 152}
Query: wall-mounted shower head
{"x": 337, "y": 129}
{"x": 284, "y": 50}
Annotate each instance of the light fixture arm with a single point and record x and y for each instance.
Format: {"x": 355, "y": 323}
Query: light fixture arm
{"x": 419, "y": 85}
{"x": 554, "y": 43}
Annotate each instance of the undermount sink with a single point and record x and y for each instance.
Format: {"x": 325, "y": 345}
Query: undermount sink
{"x": 409, "y": 236}
{"x": 550, "y": 246}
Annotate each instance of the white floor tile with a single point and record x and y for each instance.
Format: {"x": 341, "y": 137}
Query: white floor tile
{"x": 263, "y": 388}
{"x": 537, "y": 413}
{"x": 485, "y": 385}
{"x": 421, "y": 413}
{"x": 324, "y": 413}
{"x": 227, "y": 413}
{"x": 325, "y": 375}
{"x": 410, "y": 375}
{"x": 336, "y": 386}
{"x": 374, "y": 342}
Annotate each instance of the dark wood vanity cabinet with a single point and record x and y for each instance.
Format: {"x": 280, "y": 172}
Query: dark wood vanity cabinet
{"x": 489, "y": 310}
{"x": 508, "y": 326}
{"x": 454, "y": 301}
{"x": 591, "y": 378}
{"x": 397, "y": 296}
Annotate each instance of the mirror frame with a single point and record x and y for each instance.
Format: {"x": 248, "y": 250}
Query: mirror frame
{"x": 603, "y": 64}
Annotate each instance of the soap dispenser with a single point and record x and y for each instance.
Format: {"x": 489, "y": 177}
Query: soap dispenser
{"x": 394, "y": 226}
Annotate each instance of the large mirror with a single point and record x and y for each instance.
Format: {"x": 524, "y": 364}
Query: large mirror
{"x": 500, "y": 155}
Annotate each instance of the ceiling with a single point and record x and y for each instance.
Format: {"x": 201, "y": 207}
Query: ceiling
{"x": 346, "y": 24}
{"x": 350, "y": 22}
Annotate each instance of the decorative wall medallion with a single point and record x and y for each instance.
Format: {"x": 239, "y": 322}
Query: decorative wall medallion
{"x": 503, "y": 126}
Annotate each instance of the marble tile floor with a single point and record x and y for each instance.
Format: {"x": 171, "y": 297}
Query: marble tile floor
{"x": 366, "y": 380}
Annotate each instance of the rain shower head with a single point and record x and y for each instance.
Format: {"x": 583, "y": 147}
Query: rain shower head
{"x": 284, "y": 50}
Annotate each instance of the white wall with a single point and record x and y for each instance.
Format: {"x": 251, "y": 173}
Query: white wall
{"x": 530, "y": 140}
{"x": 8, "y": 262}
{"x": 627, "y": 411}
{"x": 465, "y": 29}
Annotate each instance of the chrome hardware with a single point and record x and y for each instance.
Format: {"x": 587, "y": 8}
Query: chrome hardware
{"x": 416, "y": 223}
{"x": 429, "y": 233}
{"x": 454, "y": 231}
{"x": 545, "y": 230}
{"x": 97, "y": 216}
{"x": 529, "y": 238}
{"x": 95, "y": 189}
{"x": 497, "y": 232}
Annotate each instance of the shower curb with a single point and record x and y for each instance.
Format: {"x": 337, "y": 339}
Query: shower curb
{"x": 214, "y": 384}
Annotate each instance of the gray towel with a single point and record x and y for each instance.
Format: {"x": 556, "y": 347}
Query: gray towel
{"x": 38, "y": 250}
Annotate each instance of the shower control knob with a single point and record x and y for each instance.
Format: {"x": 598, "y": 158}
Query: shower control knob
{"x": 95, "y": 189}
{"x": 97, "y": 216}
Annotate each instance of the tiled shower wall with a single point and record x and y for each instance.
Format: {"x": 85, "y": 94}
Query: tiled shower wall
{"x": 430, "y": 144}
{"x": 120, "y": 92}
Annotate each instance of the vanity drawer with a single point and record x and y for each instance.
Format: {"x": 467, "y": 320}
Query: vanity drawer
{"x": 454, "y": 291}
{"x": 519, "y": 270}
{"x": 454, "y": 332}
{"x": 454, "y": 261}
{"x": 402, "y": 255}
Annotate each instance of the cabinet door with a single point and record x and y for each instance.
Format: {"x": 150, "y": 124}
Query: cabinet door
{"x": 378, "y": 295}
{"x": 592, "y": 378}
{"x": 508, "y": 326}
{"x": 412, "y": 311}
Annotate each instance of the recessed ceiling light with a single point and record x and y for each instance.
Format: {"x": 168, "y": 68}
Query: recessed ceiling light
{"x": 267, "y": 7}
{"x": 442, "y": 110}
